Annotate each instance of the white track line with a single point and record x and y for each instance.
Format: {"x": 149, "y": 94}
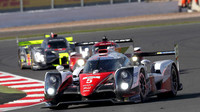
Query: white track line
{"x": 26, "y": 101}
{"x": 7, "y": 79}
{"x": 27, "y": 85}
{"x": 33, "y": 90}
{"x": 16, "y": 82}
{"x": 35, "y": 95}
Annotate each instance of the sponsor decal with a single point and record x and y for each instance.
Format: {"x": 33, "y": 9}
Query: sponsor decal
{"x": 108, "y": 84}
{"x": 90, "y": 78}
{"x": 89, "y": 87}
{"x": 9, "y": 4}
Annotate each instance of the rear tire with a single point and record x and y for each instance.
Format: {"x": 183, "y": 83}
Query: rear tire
{"x": 20, "y": 63}
{"x": 32, "y": 64}
{"x": 174, "y": 84}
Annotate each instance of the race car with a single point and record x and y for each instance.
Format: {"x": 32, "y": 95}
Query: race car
{"x": 52, "y": 51}
{"x": 89, "y": 48}
{"x": 112, "y": 76}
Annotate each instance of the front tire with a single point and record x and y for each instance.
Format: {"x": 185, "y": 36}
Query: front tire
{"x": 142, "y": 86}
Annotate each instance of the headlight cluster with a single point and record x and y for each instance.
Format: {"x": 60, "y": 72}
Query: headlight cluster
{"x": 52, "y": 83}
{"x": 126, "y": 78}
{"x": 39, "y": 57}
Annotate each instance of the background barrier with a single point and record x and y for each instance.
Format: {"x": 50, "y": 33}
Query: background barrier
{"x": 24, "y": 5}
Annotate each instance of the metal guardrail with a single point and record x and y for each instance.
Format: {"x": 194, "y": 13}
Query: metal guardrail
{"x": 24, "y": 5}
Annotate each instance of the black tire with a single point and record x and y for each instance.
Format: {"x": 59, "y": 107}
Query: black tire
{"x": 142, "y": 86}
{"x": 20, "y": 63}
{"x": 174, "y": 84}
{"x": 32, "y": 64}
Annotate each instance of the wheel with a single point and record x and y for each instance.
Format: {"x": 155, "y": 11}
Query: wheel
{"x": 32, "y": 64}
{"x": 174, "y": 84}
{"x": 142, "y": 86}
{"x": 20, "y": 63}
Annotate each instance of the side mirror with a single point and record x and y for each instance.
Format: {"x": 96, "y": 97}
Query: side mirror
{"x": 60, "y": 68}
{"x": 145, "y": 62}
{"x": 95, "y": 71}
{"x": 137, "y": 49}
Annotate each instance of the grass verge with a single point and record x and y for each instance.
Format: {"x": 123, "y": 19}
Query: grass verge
{"x": 5, "y": 89}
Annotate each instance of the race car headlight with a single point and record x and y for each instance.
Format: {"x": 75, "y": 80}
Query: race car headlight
{"x": 51, "y": 91}
{"x": 80, "y": 62}
{"x": 53, "y": 79}
{"x": 124, "y": 86}
{"x": 39, "y": 57}
{"x": 134, "y": 58}
{"x": 125, "y": 76}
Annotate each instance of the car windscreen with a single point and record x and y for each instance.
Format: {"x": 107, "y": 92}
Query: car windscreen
{"x": 107, "y": 65}
{"x": 57, "y": 44}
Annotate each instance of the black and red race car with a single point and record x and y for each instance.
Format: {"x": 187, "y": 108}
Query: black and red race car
{"x": 53, "y": 50}
{"x": 112, "y": 76}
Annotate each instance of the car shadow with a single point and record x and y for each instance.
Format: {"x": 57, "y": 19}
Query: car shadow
{"x": 150, "y": 100}
{"x": 186, "y": 71}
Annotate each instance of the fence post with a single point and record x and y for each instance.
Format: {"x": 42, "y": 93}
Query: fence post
{"x": 129, "y": 1}
{"x": 82, "y": 3}
{"x": 111, "y": 2}
{"x": 139, "y": 1}
{"x": 52, "y": 4}
{"x": 21, "y": 6}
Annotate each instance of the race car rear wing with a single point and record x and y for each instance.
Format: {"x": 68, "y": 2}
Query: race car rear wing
{"x": 94, "y": 42}
{"x": 36, "y": 42}
{"x": 31, "y": 42}
{"x": 161, "y": 53}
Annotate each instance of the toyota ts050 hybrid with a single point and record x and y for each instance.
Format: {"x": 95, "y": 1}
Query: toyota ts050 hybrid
{"x": 52, "y": 51}
{"x": 112, "y": 76}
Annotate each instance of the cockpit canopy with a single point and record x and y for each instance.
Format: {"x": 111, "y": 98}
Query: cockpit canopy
{"x": 106, "y": 63}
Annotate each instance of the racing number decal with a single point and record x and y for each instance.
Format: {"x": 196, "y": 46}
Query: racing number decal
{"x": 89, "y": 81}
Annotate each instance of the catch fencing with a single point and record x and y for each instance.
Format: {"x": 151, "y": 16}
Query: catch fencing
{"x": 25, "y": 5}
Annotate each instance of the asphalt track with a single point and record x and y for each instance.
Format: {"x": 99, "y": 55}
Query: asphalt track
{"x": 150, "y": 39}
